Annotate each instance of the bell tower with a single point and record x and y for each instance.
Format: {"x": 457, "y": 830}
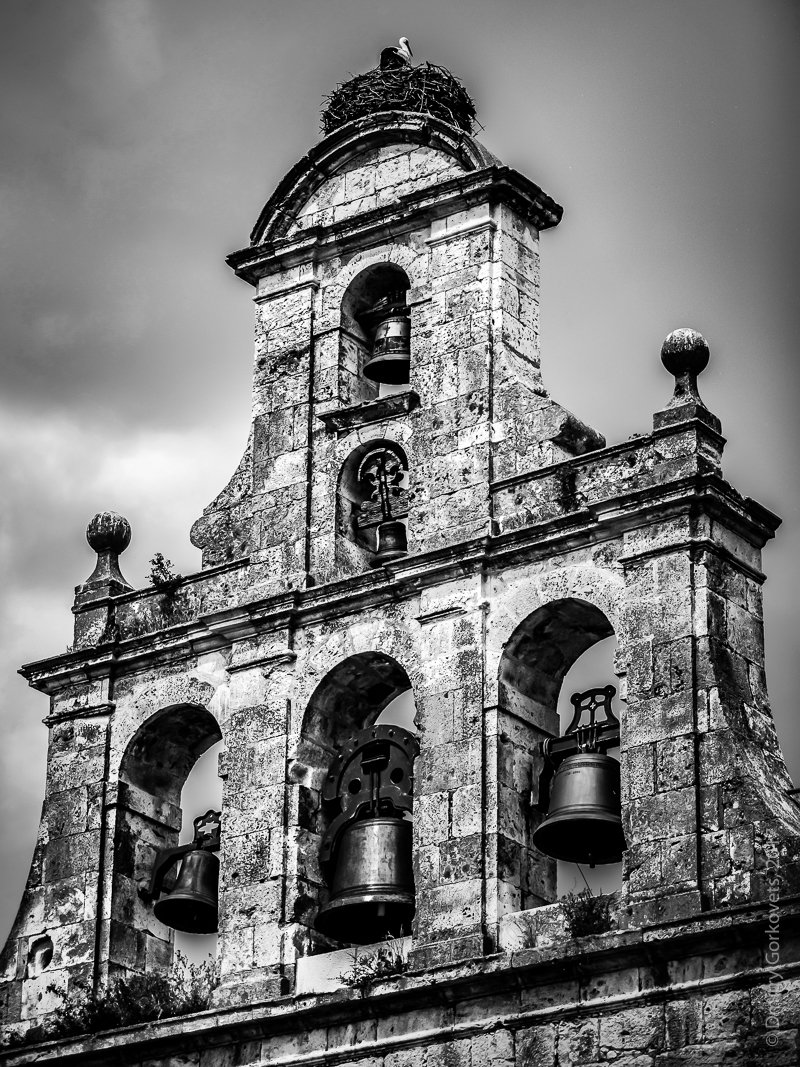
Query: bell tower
{"x": 415, "y": 548}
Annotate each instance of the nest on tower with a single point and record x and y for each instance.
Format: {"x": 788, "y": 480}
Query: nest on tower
{"x": 426, "y": 88}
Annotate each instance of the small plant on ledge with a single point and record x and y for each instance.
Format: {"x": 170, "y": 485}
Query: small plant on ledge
{"x": 585, "y": 914}
{"x": 162, "y": 575}
{"x": 370, "y": 967}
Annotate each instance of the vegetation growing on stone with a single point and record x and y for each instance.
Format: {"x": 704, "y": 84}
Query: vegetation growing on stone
{"x": 135, "y": 998}
{"x": 162, "y": 575}
{"x": 586, "y": 914}
{"x": 369, "y": 967}
{"x": 428, "y": 89}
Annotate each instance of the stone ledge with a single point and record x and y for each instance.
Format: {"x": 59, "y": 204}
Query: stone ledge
{"x": 407, "y": 577}
{"x": 385, "y": 407}
{"x": 455, "y": 1001}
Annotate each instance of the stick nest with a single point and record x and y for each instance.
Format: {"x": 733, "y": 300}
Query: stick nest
{"x": 427, "y": 89}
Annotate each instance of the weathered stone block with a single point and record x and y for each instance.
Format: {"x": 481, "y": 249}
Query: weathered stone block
{"x": 726, "y": 1015}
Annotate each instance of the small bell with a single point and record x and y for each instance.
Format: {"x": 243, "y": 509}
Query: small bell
{"x": 372, "y": 890}
{"x": 391, "y": 351}
{"x": 584, "y": 822}
{"x": 392, "y": 542}
{"x": 192, "y": 904}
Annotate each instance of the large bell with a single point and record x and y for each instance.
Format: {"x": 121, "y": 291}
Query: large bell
{"x": 391, "y": 351}
{"x": 372, "y": 891}
{"x": 583, "y": 824}
{"x": 192, "y": 904}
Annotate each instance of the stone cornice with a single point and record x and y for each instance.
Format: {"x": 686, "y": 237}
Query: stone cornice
{"x": 444, "y": 987}
{"x": 405, "y": 578}
{"x": 495, "y": 184}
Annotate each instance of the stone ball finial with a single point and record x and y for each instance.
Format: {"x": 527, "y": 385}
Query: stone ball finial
{"x": 685, "y": 352}
{"x": 108, "y": 532}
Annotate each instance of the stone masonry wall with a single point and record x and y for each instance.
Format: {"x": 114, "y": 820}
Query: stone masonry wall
{"x": 478, "y": 402}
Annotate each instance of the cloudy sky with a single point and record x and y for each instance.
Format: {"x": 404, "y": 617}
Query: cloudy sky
{"x": 140, "y": 139}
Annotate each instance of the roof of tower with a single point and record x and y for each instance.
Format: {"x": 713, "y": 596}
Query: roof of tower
{"x": 426, "y": 89}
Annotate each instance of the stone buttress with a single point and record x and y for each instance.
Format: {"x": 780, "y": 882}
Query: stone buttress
{"x": 524, "y": 541}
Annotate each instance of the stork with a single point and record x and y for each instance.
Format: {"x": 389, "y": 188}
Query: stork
{"x": 394, "y": 58}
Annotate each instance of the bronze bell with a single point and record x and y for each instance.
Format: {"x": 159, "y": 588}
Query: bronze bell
{"x": 392, "y": 542}
{"x": 583, "y": 824}
{"x": 372, "y": 889}
{"x": 391, "y": 351}
{"x": 192, "y": 904}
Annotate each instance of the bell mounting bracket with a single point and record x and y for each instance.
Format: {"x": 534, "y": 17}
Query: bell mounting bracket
{"x": 371, "y": 776}
{"x": 206, "y": 838}
{"x": 587, "y": 732}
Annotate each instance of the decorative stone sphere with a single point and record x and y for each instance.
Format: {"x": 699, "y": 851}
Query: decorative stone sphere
{"x": 685, "y": 351}
{"x": 108, "y": 531}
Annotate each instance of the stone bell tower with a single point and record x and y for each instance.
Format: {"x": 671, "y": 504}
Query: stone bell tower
{"x": 416, "y": 546}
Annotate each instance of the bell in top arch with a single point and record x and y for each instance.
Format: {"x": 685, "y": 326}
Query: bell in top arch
{"x": 391, "y": 348}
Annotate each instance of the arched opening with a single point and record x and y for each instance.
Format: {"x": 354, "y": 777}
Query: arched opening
{"x": 360, "y": 718}
{"x": 153, "y": 772}
{"x": 372, "y": 505}
{"x": 375, "y": 332}
{"x": 534, "y": 664}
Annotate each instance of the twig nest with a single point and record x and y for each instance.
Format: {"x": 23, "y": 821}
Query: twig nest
{"x": 685, "y": 351}
{"x": 427, "y": 89}
{"x": 108, "y": 531}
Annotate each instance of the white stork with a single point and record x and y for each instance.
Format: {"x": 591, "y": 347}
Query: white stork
{"x": 394, "y": 58}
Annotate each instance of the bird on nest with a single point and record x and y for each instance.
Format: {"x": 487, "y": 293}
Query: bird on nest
{"x": 395, "y": 58}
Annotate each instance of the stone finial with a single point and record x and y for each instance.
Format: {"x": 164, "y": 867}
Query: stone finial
{"x": 109, "y": 535}
{"x": 685, "y": 355}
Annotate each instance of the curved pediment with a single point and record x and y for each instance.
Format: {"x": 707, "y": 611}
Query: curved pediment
{"x": 367, "y": 164}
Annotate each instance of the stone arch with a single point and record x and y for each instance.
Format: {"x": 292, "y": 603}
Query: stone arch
{"x": 349, "y": 698}
{"x": 533, "y": 664}
{"x": 539, "y": 653}
{"x": 152, "y": 771}
{"x": 351, "y": 141}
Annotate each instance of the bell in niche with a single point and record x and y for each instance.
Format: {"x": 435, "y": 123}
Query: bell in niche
{"x": 584, "y": 823}
{"x": 366, "y": 852}
{"x": 192, "y": 905}
{"x": 392, "y": 542}
{"x": 390, "y": 361}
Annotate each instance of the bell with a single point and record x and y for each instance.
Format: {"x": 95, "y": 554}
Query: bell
{"x": 392, "y": 542}
{"x": 192, "y": 904}
{"x": 372, "y": 890}
{"x": 391, "y": 352}
{"x": 583, "y": 824}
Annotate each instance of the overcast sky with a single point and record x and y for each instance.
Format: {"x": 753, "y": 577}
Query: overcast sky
{"x": 140, "y": 139}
